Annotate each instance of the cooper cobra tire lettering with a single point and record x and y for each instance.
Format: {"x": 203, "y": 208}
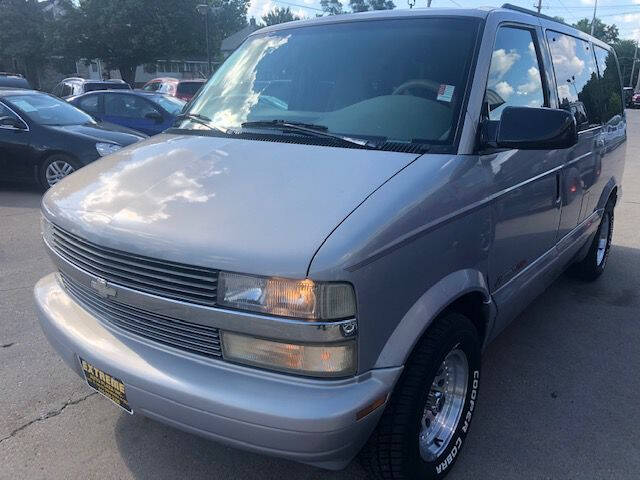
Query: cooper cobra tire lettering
{"x": 465, "y": 427}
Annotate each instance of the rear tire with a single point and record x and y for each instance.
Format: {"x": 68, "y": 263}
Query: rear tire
{"x": 593, "y": 265}
{"x": 55, "y": 168}
{"x": 438, "y": 390}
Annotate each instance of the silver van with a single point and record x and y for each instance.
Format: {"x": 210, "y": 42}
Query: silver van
{"x": 310, "y": 264}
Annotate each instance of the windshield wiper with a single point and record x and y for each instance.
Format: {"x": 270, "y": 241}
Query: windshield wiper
{"x": 309, "y": 129}
{"x": 202, "y": 120}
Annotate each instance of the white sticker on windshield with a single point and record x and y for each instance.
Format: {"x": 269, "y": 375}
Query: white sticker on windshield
{"x": 445, "y": 93}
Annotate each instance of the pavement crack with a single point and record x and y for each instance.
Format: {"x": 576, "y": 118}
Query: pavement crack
{"x": 7, "y": 345}
{"x": 50, "y": 414}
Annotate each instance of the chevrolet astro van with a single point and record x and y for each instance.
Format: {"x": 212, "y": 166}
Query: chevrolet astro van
{"x": 311, "y": 262}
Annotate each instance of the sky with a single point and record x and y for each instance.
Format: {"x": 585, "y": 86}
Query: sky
{"x": 624, "y": 13}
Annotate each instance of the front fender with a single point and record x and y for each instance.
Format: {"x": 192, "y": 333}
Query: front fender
{"x": 427, "y": 308}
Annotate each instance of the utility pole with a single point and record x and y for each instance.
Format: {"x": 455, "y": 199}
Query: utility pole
{"x": 539, "y": 6}
{"x": 593, "y": 22}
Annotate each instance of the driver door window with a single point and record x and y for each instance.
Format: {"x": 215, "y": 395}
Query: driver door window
{"x": 514, "y": 75}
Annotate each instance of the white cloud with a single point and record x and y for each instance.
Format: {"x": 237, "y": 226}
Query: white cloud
{"x": 501, "y": 62}
{"x": 533, "y": 85}
{"x": 504, "y": 90}
{"x": 565, "y": 60}
{"x": 259, "y": 8}
{"x": 628, "y": 18}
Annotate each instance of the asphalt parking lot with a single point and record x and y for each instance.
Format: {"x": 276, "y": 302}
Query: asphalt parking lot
{"x": 559, "y": 398}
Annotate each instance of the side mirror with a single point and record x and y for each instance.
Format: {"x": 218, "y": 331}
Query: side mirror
{"x": 155, "y": 116}
{"x": 12, "y": 123}
{"x": 528, "y": 128}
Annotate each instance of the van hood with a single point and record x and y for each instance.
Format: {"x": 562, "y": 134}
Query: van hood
{"x": 242, "y": 205}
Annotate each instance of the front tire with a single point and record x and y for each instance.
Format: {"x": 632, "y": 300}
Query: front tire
{"x": 427, "y": 419}
{"x": 54, "y": 169}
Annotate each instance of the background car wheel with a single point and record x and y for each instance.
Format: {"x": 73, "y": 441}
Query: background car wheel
{"x": 427, "y": 418}
{"x": 55, "y": 168}
{"x": 595, "y": 262}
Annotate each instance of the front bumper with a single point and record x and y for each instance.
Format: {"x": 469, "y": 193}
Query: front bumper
{"x": 306, "y": 420}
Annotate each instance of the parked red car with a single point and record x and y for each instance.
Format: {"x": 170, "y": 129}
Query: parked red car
{"x": 182, "y": 89}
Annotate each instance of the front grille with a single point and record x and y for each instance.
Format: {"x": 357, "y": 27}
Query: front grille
{"x": 191, "y": 337}
{"x": 167, "y": 279}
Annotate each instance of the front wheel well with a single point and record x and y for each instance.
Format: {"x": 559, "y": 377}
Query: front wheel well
{"x": 473, "y": 306}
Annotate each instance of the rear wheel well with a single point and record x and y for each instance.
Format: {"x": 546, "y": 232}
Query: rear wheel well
{"x": 471, "y": 305}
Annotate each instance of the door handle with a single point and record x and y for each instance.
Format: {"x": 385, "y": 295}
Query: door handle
{"x": 558, "y": 199}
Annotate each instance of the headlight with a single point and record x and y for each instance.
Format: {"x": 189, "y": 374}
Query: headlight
{"x": 290, "y": 298}
{"x": 315, "y": 360}
{"x": 107, "y": 148}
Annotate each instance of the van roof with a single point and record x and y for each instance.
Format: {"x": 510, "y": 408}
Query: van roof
{"x": 478, "y": 12}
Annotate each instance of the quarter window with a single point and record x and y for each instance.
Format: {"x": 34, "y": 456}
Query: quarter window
{"x": 514, "y": 75}
{"x": 576, "y": 78}
{"x": 5, "y": 112}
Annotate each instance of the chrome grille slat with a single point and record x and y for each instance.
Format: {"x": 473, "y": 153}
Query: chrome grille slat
{"x": 195, "y": 338}
{"x": 138, "y": 276}
{"x": 115, "y": 264}
{"x": 114, "y": 256}
{"x": 166, "y": 279}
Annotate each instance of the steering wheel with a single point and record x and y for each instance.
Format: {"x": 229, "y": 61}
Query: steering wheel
{"x": 422, "y": 83}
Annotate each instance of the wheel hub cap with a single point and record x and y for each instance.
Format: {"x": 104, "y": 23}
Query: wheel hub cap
{"x": 603, "y": 239}
{"x": 444, "y": 405}
{"x": 57, "y": 170}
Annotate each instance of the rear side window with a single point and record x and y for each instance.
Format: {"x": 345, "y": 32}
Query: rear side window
{"x": 189, "y": 88}
{"x": 514, "y": 76}
{"x": 5, "y": 112}
{"x": 612, "y": 102}
{"x": 127, "y": 106}
{"x": 89, "y": 104}
{"x": 66, "y": 90}
{"x": 576, "y": 78}
{"x": 151, "y": 87}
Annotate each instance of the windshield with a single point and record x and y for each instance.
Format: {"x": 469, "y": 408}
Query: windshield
{"x": 398, "y": 80}
{"x": 46, "y": 110}
{"x": 170, "y": 104}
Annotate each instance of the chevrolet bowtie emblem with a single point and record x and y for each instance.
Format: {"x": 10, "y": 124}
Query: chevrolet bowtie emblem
{"x": 101, "y": 286}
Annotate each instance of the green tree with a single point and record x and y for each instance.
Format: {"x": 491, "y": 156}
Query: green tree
{"x": 625, "y": 50}
{"x": 279, "y": 15}
{"x": 332, "y": 7}
{"x": 602, "y": 31}
{"x": 381, "y": 4}
{"x": 366, "y": 5}
{"x": 128, "y": 33}
{"x": 23, "y": 29}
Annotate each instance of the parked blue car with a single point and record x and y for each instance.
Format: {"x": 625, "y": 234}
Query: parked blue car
{"x": 149, "y": 113}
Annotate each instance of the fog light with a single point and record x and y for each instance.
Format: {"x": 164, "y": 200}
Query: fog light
{"x": 315, "y": 360}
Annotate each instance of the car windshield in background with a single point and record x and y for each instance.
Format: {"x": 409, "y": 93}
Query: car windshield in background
{"x": 46, "y": 110}
{"x": 92, "y": 87}
{"x": 170, "y": 104}
{"x": 398, "y": 80}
